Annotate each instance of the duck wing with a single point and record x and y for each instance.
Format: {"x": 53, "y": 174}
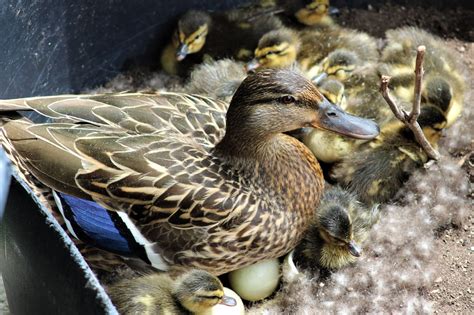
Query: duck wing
{"x": 147, "y": 155}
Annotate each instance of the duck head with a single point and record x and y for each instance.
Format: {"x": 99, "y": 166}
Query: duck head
{"x": 190, "y": 36}
{"x": 276, "y": 49}
{"x": 198, "y": 291}
{"x": 273, "y": 101}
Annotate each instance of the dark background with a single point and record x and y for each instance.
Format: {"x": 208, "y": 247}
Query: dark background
{"x": 49, "y": 47}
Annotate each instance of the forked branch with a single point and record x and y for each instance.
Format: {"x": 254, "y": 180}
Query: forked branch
{"x": 410, "y": 119}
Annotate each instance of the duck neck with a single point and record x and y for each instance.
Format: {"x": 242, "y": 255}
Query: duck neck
{"x": 279, "y": 164}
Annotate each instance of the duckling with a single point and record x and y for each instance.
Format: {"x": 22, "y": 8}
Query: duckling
{"x": 201, "y": 35}
{"x": 195, "y": 292}
{"x": 327, "y": 146}
{"x": 216, "y": 79}
{"x": 276, "y": 49}
{"x": 340, "y": 225}
{"x": 282, "y": 48}
{"x": 316, "y": 45}
{"x": 377, "y": 169}
{"x": 334, "y": 90}
{"x": 398, "y": 58}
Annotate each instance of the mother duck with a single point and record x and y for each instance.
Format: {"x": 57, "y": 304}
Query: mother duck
{"x": 154, "y": 176}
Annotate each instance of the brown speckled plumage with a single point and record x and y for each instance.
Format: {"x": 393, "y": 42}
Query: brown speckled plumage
{"x": 155, "y": 157}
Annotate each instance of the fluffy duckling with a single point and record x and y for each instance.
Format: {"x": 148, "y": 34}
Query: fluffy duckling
{"x": 360, "y": 96}
{"x": 201, "y": 36}
{"x": 195, "y": 292}
{"x": 341, "y": 224}
{"x": 281, "y": 48}
{"x": 377, "y": 169}
{"x": 399, "y": 57}
{"x": 216, "y": 79}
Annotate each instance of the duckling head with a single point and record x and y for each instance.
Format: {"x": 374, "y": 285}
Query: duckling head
{"x": 335, "y": 228}
{"x": 316, "y": 12}
{"x": 438, "y": 92}
{"x": 190, "y": 36}
{"x": 339, "y": 64}
{"x": 275, "y": 101}
{"x": 276, "y": 49}
{"x": 333, "y": 90}
{"x": 198, "y": 291}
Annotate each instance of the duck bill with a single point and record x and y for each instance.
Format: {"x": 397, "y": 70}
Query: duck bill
{"x": 318, "y": 79}
{"x": 252, "y": 65}
{"x": 354, "y": 249}
{"x": 333, "y": 118}
{"x": 228, "y": 301}
{"x": 182, "y": 52}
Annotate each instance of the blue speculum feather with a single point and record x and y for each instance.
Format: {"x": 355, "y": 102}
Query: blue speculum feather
{"x": 95, "y": 225}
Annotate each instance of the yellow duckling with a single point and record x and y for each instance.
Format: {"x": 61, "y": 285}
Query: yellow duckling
{"x": 377, "y": 169}
{"x": 201, "y": 36}
{"x": 282, "y": 48}
{"x": 341, "y": 224}
{"x": 399, "y": 57}
{"x": 195, "y": 292}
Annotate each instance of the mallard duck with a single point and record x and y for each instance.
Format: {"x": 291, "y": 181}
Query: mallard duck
{"x": 377, "y": 169}
{"x": 334, "y": 237}
{"x": 281, "y": 48}
{"x": 399, "y": 57}
{"x": 201, "y": 36}
{"x": 216, "y": 79}
{"x": 195, "y": 292}
{"x": 153, "y": 175}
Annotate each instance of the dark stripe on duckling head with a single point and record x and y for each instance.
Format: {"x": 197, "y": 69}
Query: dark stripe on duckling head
{"x": 335, "y": 220}
{"x": 276, "y": 38}
{"x": 192, "y": 20}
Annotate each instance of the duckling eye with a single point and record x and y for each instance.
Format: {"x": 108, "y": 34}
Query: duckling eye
{"x": 287, "y": 99}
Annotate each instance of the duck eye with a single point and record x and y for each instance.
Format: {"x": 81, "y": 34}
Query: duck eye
{"x": 287, "y": 99}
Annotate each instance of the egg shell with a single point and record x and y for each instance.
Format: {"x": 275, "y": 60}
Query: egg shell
{"x": 256, "y": 282}
{"x": 221, "y": 309}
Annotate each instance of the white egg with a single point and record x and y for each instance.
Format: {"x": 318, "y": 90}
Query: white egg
{"x": 221, "y": 309}
{"x": 256, "y": 282}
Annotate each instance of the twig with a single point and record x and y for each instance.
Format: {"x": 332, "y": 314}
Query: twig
{"x": 410, "y": 119}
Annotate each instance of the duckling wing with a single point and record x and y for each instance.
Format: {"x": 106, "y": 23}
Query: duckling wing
{"x": 143, "y": 154}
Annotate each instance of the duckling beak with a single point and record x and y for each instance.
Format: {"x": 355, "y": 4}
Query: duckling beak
{"x": 333, "y": 118}
{"x": 228, "y": 301}
{"x": 354, "y": 249}
{"x": 252, "y": 65}
{"x": 319, "y": 78}
{"x": 182, "y": 52}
